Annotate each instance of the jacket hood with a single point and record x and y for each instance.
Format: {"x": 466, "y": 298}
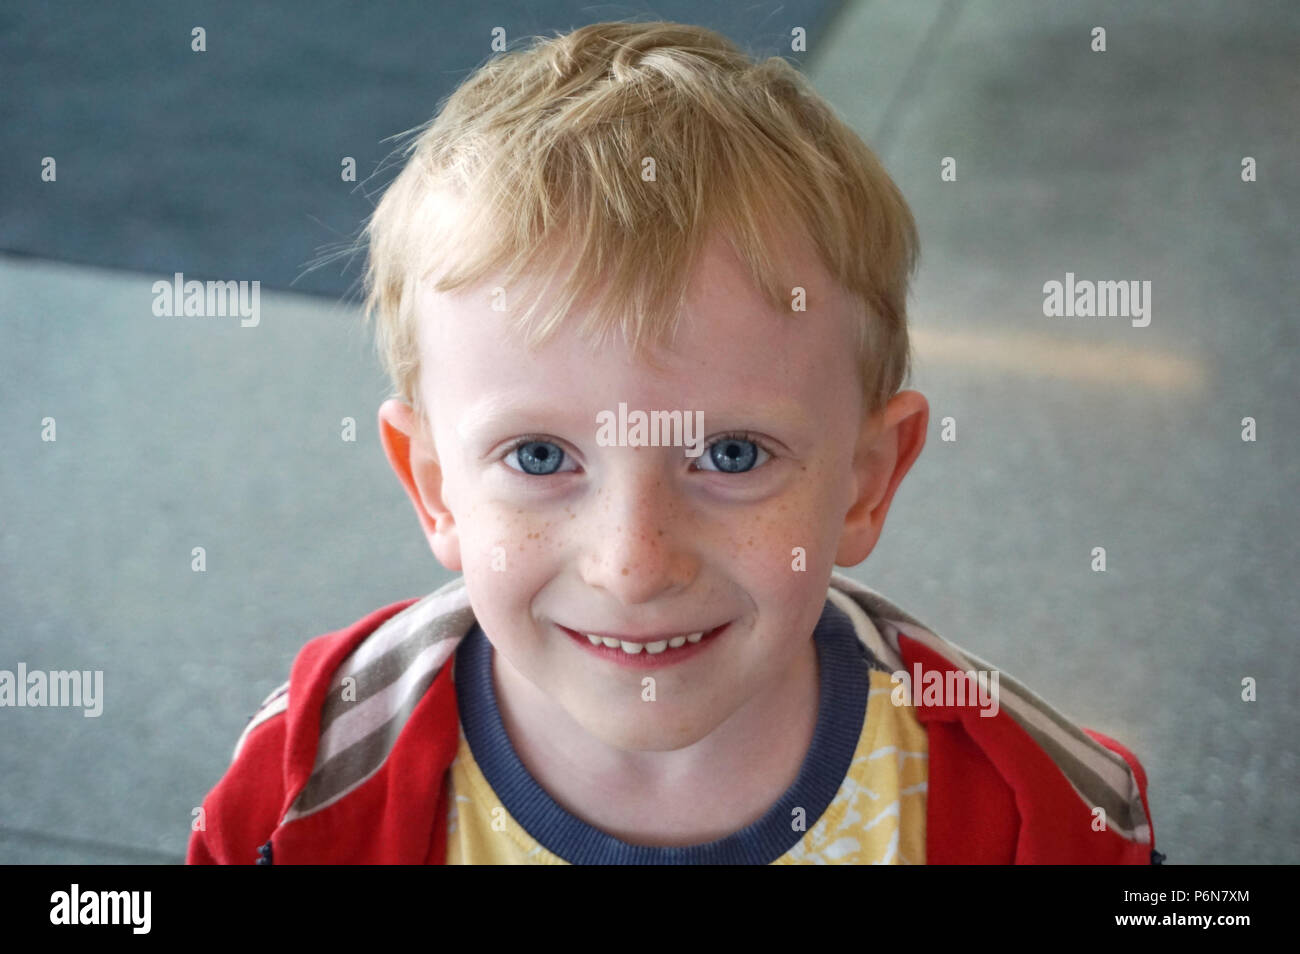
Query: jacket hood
{"x": 367, "y": 725}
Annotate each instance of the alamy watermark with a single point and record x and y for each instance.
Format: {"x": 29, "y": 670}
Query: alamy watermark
{"x": 651, "y": 429}
{"x": 195, "y": 299}
{"x": 74, "y": 906}
{"x": 977, "y": 688}
{"x": 1107, "y": 299}
{"x": 58, "y": 688}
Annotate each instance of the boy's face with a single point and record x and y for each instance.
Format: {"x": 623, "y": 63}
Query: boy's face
{"x": 567, "y": 535}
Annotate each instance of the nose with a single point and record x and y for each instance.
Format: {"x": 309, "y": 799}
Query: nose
{"x": 641, "y": 548}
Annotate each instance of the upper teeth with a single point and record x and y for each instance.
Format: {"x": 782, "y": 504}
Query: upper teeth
{"x": 652, "y": 648}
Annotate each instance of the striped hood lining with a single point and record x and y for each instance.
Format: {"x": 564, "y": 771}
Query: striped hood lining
{"x": 375, "y": 690}
{"x": 1099, "y": 776}
{"x": 273, "y": 704}
{"x": 377, "y": 687}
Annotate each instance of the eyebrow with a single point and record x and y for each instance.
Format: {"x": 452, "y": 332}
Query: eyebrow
{"x": 487, "y": 416}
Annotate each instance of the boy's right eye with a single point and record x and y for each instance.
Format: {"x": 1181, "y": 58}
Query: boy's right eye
{"x": 537, "y": 458}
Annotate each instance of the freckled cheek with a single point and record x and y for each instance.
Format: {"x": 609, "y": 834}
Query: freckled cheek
{"x": 504, "y": 534}
{"x": 771, "y": 537}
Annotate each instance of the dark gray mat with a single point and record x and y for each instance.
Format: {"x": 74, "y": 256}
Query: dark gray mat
{"x": 226, "y": 164}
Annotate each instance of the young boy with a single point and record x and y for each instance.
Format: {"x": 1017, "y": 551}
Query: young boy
{"x": 643, "y": 302}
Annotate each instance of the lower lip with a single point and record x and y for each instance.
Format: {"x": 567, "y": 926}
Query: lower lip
{"x": 644, "y": 659}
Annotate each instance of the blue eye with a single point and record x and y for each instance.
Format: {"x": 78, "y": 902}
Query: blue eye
{"x": 730, "y": 454}
{"x": 536, "y": 458}
{"x": 733, "y": 454}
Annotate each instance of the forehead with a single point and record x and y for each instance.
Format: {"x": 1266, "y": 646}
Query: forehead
{"x": 732, "y": 350}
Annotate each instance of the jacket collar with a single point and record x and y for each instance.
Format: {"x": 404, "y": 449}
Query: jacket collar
{"x": 369, "y": 742}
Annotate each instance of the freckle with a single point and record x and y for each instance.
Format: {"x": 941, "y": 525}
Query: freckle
{"x": 661, "y": 533}
{"x": 625, "y": 571}
{"x": 572, "y": 515}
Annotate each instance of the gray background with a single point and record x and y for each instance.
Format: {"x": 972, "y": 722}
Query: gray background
{"x": 1071, "y": 434}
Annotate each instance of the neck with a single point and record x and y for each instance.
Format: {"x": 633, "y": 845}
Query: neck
{"x": 692, "y": 795}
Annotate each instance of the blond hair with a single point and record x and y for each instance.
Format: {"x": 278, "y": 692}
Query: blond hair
{"x": 546, "y": 150}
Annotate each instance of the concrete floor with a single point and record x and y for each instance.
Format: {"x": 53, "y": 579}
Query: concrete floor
{"x": 1071, "y": 434}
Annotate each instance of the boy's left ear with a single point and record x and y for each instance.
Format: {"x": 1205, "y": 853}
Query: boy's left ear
{"x": 416, "y": 466}
{"x": 888, "y": 444}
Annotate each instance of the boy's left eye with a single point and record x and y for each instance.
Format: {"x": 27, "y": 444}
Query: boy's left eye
{"x": 734, "y": 454}
{"x": 729, "y": 454}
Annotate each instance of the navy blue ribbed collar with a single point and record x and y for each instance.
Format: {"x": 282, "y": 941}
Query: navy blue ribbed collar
{"x": 844, "y": 680}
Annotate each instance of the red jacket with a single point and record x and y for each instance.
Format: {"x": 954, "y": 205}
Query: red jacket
{"x": 343, "y": 763}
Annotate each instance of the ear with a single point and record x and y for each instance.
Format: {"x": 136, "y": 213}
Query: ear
{"x": 411, "y": 455}
{"x": 888, "y": 443}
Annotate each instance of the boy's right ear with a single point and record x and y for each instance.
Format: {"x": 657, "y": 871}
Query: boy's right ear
{"x": 410, "y": 455}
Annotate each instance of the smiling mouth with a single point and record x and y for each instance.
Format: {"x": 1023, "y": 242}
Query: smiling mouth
{"x": 649, "y": 647}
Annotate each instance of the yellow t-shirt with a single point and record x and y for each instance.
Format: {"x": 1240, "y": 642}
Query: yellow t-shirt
{"x": 877, "y": 815}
